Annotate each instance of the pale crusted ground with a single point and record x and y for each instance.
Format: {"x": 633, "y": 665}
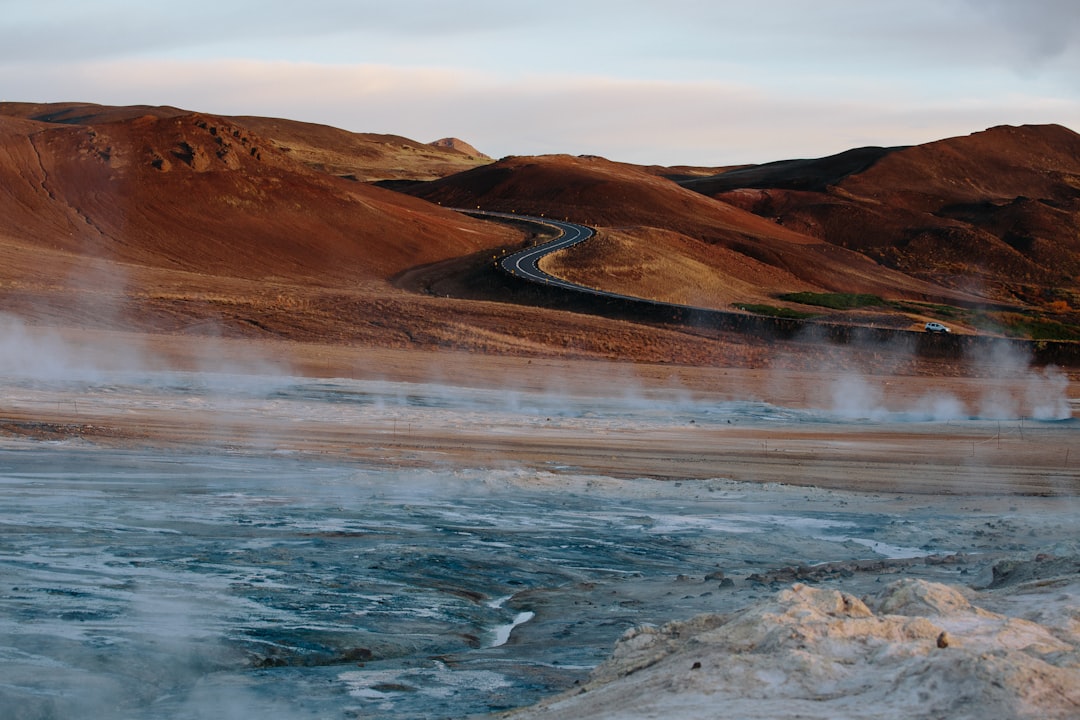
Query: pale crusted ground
{"x": 913, "y": 650}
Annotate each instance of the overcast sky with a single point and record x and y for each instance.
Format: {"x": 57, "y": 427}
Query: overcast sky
{"x": 704, "y": 82}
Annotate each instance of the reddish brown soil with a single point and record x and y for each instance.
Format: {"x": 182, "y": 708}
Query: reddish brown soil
{"x": 364, "y": 157}
{"x": 996, "y": 213}
{"x": 658, "y": 239}
{"x": 171, "y": 223}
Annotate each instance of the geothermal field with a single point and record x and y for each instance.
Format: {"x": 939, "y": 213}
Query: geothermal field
{"x": 284, "y": 435}
{"x": 231, "y": 544}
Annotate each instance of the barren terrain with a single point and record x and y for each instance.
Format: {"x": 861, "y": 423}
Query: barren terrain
{"x": 443, "y": 536}
{"x": 222, "y": 332}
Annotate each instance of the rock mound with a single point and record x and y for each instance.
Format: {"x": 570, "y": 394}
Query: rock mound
{"x": 915, "y": 650}
{"x": 458, "y": 145}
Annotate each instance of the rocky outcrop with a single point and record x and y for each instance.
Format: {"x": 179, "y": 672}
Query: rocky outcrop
{"x": 456, "y": 144}
{"x": 915, "y": 650}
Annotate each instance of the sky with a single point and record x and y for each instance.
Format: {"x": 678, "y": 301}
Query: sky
{"x": 669, "y": 82}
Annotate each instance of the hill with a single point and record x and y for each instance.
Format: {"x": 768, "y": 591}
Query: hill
{"x": 995, "y": 213}
{"x": 660, "y": 240}
{"x": 204, "y": 194}
{"x": 158, "y": 221}
{"x": 980, "y": 231}
{"x": 459, "y": 145}
{"x": 164, "y": 220}
{"x": 167, "y": 220}
{"x": 366, "y": 157}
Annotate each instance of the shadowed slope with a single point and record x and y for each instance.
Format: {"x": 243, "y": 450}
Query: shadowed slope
{"x": 816, "y": 174}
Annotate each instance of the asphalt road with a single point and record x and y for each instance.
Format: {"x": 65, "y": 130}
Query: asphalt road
{"x": 525, "y": 263}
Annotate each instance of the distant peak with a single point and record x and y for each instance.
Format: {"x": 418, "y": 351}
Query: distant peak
{"x": 452, "y": 143}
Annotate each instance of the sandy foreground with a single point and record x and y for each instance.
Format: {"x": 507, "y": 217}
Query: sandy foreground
{"x": 967, "y": 487}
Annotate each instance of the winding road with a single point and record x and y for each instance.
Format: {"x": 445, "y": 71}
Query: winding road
{"x": 525, "y": 263}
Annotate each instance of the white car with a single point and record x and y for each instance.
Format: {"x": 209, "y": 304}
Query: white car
{"x": 936, "y": 327}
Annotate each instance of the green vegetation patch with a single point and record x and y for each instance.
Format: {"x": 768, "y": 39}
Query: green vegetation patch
{"x": 835, "y": 301}
{"x": 773, "y": 311}
{"x": 1027, "y": 326}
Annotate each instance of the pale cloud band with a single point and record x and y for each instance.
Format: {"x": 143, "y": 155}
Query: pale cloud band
{"x": 684, "y": 81}
{"x": 641, "y": 121}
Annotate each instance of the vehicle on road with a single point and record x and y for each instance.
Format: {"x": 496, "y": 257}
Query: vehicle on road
{"x": 936, "y": 327}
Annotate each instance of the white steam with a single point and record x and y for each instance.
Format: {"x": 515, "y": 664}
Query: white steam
{"x": 43, "y": 354}
{"x": 1046, "y": 395}
{"x": 1014, "y": 389}
{"x": 40, "y": 354}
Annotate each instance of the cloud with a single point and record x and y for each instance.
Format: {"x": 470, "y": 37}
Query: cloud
{"x": 678, "y": 39}
{"x": 687, "y": 39}
{"x": 1042, "y": 30}
{"x": 50, "y": 30}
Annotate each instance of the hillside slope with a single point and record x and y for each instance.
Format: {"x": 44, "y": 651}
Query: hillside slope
{"x": 981, "y": 231}
{"x": 996, "y": 212}
{"x": 366, "y": 157}
{"x": 204, "y": 194}
{"x": 675, "y": 244}
{"x": 158, "y": 218}
{"x": 165, "y": 222}
{"x": 157, "y": 222}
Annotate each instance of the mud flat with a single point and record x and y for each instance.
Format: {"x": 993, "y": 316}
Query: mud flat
{"x": 188, "y": 544}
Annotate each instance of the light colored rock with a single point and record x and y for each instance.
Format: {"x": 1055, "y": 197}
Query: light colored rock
{"x": 915, "y": 650}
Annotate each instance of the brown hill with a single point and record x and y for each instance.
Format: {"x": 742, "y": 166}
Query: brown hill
{"x": 161, "y": 222}
{"x": 996, "y": 212}
{"x": 113, "y": 190}
{"x": 76, "y": 113}
{"x": 999, "y": 164}
{"x": 663, "y": 241}
{"x": 460, "y": 146}
{"x": 366, "y": 157}
{"x": 164, "y": 220}
{"x": 172, "y": 223}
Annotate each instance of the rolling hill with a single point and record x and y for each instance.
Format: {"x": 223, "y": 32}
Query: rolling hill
{"x": 164, "y": 220}
{"x": 995, "y": 213}
{"x": 983, "y": 229}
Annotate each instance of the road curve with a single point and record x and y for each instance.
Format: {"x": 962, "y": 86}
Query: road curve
{"x": 525, "y": 263}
